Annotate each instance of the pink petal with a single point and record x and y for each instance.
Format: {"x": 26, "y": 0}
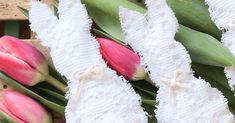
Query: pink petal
{"x": 25, "y": 108}
{"x": 119, "y": 57}
{"x": 6, "y": 111}
{"x": 22, "y": 50}
{"x": 17, "y": 69}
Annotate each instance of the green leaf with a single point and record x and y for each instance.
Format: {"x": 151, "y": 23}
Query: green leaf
{"x": 150, "y": 102}
{"x": 198, "y": 44}
{"x": 56, "y": 2}
{"x": 106, "y": 35}
{"x": 12, "y": 28}
{"x": 148, "y": 99}
{"x": 57, "y": 75}
{"x": 54, "y": 94}
{"x": 47, "y": 96}
{"x": 204, "y": 49}
{"x": 24, "y": 11}
{"x": 145, "y": 87}
{"x": 150, "y": 109}
{"x": 105, "y": 14}
{"x": 43, "y": 98}
{"x": 48, "y": 86}
{"x": 55, "y": 8}
{"x": 194, "y": 14}
{"x": 3, "y": 121}
{"x": 6, "y": 118}
{"x": 144, "y": 95}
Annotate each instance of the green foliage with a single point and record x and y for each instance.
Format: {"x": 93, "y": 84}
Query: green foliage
{"x": 199, "y": 45}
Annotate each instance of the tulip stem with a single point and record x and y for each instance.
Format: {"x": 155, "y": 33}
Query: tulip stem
{"x": 6, "y": 118}
{"x": 149, "y": 80}
{"x": 56, "y": 83}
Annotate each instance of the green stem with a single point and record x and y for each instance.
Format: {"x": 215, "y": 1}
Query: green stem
{"x": 6, "y": 118}
{"x": 150, "y": 102}
{"x": 55, "y": 83}
{"x": 149, "y": 80}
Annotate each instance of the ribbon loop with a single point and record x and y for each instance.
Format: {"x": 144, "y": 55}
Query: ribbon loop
{"x": 176, "y": 83}
{"x": 95, "y": 72}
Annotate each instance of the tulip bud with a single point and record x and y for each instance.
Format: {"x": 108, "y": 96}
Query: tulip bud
{"x": 21, "y": 61}
{"x": 122, "y": 59}
{"x": 22, "y": 108}
{"x": 24, "y": 63}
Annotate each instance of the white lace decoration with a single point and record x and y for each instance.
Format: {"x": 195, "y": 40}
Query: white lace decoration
{"x": 222, "y": 13}
{"x": 176, "y": 83}
{"x": 152, "y": 36}
{"x": 102, "y": 95}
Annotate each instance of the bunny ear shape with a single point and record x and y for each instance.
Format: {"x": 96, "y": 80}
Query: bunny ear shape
{"x": 69, "y": 39}
{"x": 42, "y": 21}
{"x": 95, "y": 93}
{"x": 182, "y": 97}
{"x": 222, "y": 12}
{"x": 160, "y": 15}
{"x": 133, "y": 22}
{"x": 64, "y": 7}
{"x": 71, "y": 10}
{"x": 154, "y": 32}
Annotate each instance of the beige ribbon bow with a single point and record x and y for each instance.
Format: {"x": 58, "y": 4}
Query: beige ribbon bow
{"x": 176, "y": 83}
{"x": 95, "y": 72}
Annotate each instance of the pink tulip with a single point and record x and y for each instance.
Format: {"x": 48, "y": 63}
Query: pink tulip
{"x": 21, "y": 61}
{"x": 22, "y": 108}
{"x": 122, "y": 59}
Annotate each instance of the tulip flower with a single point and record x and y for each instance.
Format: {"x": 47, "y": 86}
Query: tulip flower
{"x": 122, "y": 59}
{"x": 24, "y": 63}
{"x": 23, "y": 109}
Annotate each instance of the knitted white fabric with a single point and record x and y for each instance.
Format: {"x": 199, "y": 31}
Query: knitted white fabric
{"x": 96, "y": 94}
{"x": 182, "y": 97}
{"x": 222, "y": 13}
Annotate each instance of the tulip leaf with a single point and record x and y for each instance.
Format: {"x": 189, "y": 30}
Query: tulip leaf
{"x": 24, "y": 11}
{"x": 48, "y": 96}
{"x": 6, "y": 118}
{"x": 49, "y": 86}
{"x": 18, "y": 87}
{"x": 204, "y": 49}
{"x": 144, "y": 95}
{"x": 151, "y": 114}
{"x": 106, "y": 35}
{"x": 3, "y": 121}
{"x": 12, "y": 28}
{"x": 199, "y": 44}
{"x": 194, "y": 14}
{"x": 145, "y": 87}
{"x": 56, "y": 2}
{"x": 148, "y": 103}
{"x": 106, "y": 16}
{"x": 144, "y": 90}
{"x": 57, "y": 75}
{"x": 54, "y": 94}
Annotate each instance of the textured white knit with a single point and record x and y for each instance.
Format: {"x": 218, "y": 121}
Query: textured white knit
{"x": 182, "y": 97}
{"x": 96, "y": 94}
{"x": 223, "y": 14}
